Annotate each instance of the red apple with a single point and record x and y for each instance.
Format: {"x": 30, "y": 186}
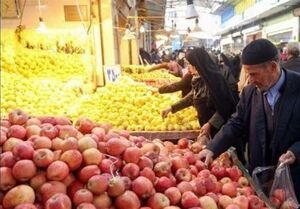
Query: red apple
{"x": 42, "y": 142}
{"x": 7, "y": 179}
{"x": 73, "y": 158}
{"x": 57, "y": 171}
{"x": 82, "y": 196}
{"x": 148, "y": 173}
{"x": 49, "y": 131}
{"x": 17, "y": 131}
{"x": 74, "y": 187}
{"x": 232, "y": 206}
{"x": 189, "y": 200}
{"x": 18, "y": 195}
{"x": 193, "y": 169}
{"x": 87, "y": 172}
{"x": 69, "y": 144}
{"x": 208, "y": 202}
{"x": 247, "y": 191}
{"x": 57, "y": 143}
{"x": 5, "y": 123}
{"x": 243, "y": 181}
{"x": 10, "y": 143}
{"x": 184, "y": 187}
{"x": 23, "y": 150}
{"x": 69, "y": 179}
{"x": 174, "y": 195}
{"x": 145, "y": 162}
{"x": 224, "y": 201}
{"x": 225, "y": 180}
{"x": 84, "y": 125}
{"x": 50, "y": 188}
{"x": 275, "y": 202}
{"x": 33, "y": 130}
{"x": 26, "y": 206}
{"x": 92, "y": 156}
{"x": 38, "y": 180}
{"x": 98, "y": 184}
{"x": 3, "y": 136}
{"x": 198, "y": 186}
{"x": 131, "y": 170}
{"x": 158, "y": 201}
{"x": 99, "y": 132}
{"x": 33, "y": 121}
{"x": 116, "y": 146}
{"x": 66, "y": 131}
{"x": 58, "y": 201}
{"x": 190, "y": 157}
{"x": 219, "y": 171}
{"x": 183, "y": 143}
{"x": 86, "y": 142}
{"x": 17, "y": 117}
{"x": 143, "y": 187}
{"x": 107, "y": 166}
{"x": 60, "y": 120}
{"x": 86, "y": 206}
{"x": 234, "y": 173}
{"x": 128, "y": 200}
{"x": 241, "y": 201}
{"x": 24, "y": 170}
{"x": 102, "y": 201}
{"x": 132, "y": 155}
{"x": 116, "y": 187}
{"x": 162, "y": 169}
{"x": 163, "y": 183}
{"x": 183, "y": 174}
{"x": 7, "y": 159}
{"x": 255, "y": 202}
{"x": 229, "y": 189}
{"x": 279, "y": 194}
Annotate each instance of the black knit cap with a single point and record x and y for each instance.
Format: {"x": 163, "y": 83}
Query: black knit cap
{"x": 259, "y": 51}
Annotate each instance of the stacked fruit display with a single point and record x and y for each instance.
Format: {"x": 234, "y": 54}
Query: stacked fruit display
{"x": 155, "y": 78}
{"x": 48, "y": 163}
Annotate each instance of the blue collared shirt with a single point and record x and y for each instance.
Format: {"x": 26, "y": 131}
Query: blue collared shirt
{"x": 273, "y": 93}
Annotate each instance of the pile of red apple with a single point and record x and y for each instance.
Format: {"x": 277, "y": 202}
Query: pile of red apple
{"x": 46, "y": 162}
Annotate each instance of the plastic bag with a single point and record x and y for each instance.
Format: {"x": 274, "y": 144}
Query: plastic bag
{"x": 282, "y": 193}
{"x": 263, "y": 177}
{"x": 277, "y": 184}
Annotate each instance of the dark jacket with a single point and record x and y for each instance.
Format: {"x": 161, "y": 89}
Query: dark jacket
{"x": 249, "y": 120}
{"x": 292, "y": 64}
{"x": 184, "y": 85}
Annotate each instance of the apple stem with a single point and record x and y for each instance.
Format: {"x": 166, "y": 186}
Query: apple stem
{"x": 115, "y": 160}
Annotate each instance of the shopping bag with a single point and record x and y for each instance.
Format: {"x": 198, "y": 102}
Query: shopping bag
{"x": 263, "y": 177}
{"x": 282, "y": 193}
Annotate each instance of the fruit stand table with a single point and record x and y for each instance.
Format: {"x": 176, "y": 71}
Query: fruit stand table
{"x": 167, "y": 135}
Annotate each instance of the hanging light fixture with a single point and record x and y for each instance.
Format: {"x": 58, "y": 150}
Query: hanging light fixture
{"x": 42, "y": 27}
{"x": 129, "y": 33}
{"x": 191, "y": 10}
{"x": 142, "y": 29}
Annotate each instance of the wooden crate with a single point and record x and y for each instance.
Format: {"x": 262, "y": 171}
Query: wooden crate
{"x": 167, "y": 135}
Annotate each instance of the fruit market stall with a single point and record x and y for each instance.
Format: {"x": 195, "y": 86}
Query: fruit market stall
{"x": 155, "y": 78}
{"x": 44, "y": 78}
{"x": 46, "y": 161}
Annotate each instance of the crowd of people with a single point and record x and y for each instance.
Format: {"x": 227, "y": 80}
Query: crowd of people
{"x": 250, "y": 101}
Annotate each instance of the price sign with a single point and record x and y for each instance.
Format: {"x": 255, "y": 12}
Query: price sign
{"x": 112, "y": 72}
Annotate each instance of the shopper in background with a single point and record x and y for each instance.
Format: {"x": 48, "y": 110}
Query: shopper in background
{"x": 184, "y": 85}
{"x": 210, "y": 93}
{"x": 146, "y": 58}
{"x": 293, "y": 58}
{"x": 155, "y": 58}
{"x": 267, "y": 115}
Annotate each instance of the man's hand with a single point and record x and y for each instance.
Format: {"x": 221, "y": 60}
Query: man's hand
{"x": 165, "y": 112}
{"x": 287, "y": 157}
{"x": 205, "y": 130}
{"x": 207, "y": 155}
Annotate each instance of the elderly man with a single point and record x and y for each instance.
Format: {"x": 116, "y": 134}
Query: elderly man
{"x": 267, "y": 115}
{"x": 293, "y": 58}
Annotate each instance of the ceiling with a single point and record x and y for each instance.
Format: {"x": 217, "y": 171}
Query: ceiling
{"x": 154, "y": 11}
